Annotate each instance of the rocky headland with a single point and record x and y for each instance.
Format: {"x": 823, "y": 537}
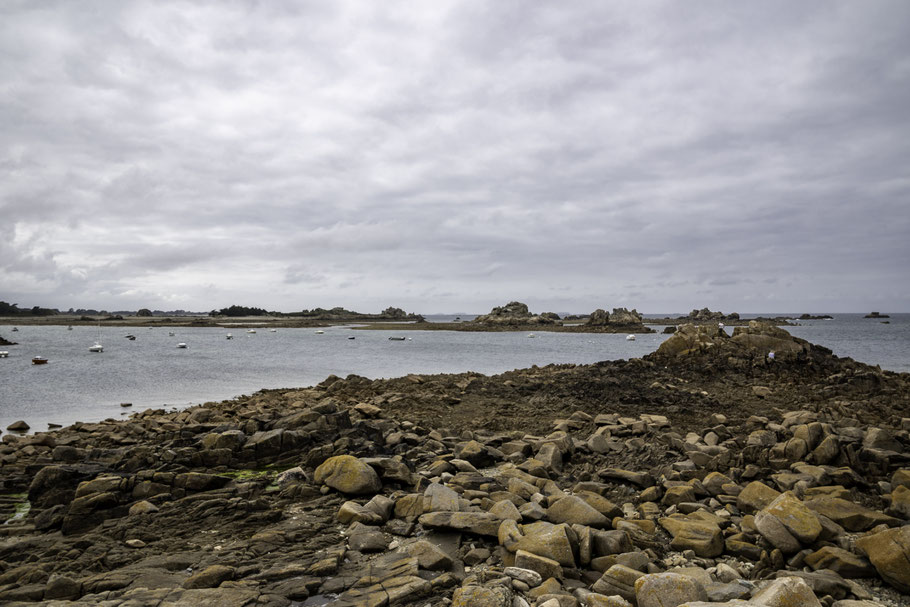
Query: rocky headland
{"x": 4, "y": 342}
{"x": 752, "y": 469}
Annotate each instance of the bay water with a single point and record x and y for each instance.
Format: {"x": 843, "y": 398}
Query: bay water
{"x": 78, "y": 385}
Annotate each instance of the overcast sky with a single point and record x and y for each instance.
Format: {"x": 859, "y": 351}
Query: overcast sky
{"x": 452, "y": 156}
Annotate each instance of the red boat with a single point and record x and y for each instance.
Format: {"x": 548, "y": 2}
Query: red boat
{"x": 39, "y": 360}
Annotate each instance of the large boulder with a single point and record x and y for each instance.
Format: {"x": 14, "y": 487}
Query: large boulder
{"x": 787, "y": 523}
{"x": 889, "y": 552}
{"x": 786, "y": 591}
{"x": 665, "y": 589}
{"x": 705, "y": 538}
{"x": 348, "y": 474}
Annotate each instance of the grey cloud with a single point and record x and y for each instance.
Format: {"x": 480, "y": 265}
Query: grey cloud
{"x": 457, "y": 154}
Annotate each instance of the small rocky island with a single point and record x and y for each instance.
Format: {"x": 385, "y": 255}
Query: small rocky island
{"x": 706, "y": 316}
{"x": 4, "y": 342}
{"x": 876, "y": 315}
{"x": 707, "y": 471}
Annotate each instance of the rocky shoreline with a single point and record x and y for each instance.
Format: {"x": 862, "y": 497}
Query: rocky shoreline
{"x": 756, "y": 467}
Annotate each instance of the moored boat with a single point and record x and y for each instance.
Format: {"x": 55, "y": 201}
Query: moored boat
{"x": 39, "y": 360}
{"x": 96, "y": 348}
{"x": 229, "y": 336}
{"x": 181, "y": 345}
{"x": 396, "y": 339}
{"x": 4, "y": 354}
{"x": 630, "y": 337}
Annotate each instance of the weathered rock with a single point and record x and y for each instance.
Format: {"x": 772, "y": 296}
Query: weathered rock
{"x": 849, "y": 515}
{"x": 210, "y": 577}
{"x": 786, "y": 592}
{"x": 352, "y": 511}
{"x": 430, "y": 556}
{"x": 505, "y": 509}
{"x": 142, "y": 507}
{"x": 439, "y": 498}
{"x": 62, "y": 588}
{"x": 705, "y": 538}
{"x": 482, "y": 596}
{"x": 900, "y": 502}
{"x": 551, "y": 541}
{"x": 528, "y": 576}
{"x": 545, "y": 567}
{"x": 840, "y": 561}
{"x": 619, "y": 580}
{"x": 889, "y": 552}
{"x": 668, "y": 590}
{"x": 793, "y": 516}
{"x": 755, "y": 496}
{"x": 636, "y": 478}
{"x": 574, "y": 510}
{"x": 348, "y": 474}
{"x": 479, "y": 523}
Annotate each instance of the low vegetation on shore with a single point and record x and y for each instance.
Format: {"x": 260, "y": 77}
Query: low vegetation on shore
{"x": 708, "y": 471}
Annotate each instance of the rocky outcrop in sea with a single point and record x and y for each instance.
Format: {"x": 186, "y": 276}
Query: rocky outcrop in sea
{"x": 514, "y": 313}
{"x": 707, "y": 473}
{"x": 620, "y": 317}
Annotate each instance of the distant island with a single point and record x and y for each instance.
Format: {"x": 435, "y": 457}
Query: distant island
{"x": 515, "y": 316}
{"x": 706, "y": 316}
{"x": 224, "y": 317}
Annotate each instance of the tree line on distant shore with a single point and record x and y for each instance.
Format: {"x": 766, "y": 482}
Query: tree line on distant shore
{"x": 315, "y": 313}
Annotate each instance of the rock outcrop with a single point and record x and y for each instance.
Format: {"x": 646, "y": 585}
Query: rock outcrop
{"x": 620, "y": 317}
{"x": 514, "y": 313}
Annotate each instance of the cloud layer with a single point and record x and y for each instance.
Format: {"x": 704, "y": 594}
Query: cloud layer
{"x": 451, "y": 156}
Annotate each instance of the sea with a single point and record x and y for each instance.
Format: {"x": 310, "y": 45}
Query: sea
{"x": 152, "y": 372}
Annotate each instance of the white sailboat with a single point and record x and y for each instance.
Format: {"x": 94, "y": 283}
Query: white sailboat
{"x": 97, "y": 347}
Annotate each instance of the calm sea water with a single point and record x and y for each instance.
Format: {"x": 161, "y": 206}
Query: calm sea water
{"x": 78, "y": 385}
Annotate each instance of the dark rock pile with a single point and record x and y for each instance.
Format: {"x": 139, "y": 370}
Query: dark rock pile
{"x": 620, "y": 317}
{"x": 705, "y": 474}
{"x": 515, "y": 313}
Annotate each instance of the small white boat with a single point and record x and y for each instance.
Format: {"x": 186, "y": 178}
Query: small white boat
{"x": 320, "y": 332}
{"x": 251, "y": 330}
{"x": 170, "y": 333}
{"x": 531, "y": 335}
{"x": 229, "y": 336}
{"x": 630, "y": 337}
{"x": 4, "y": 354}
{"x": 273, "y": 330}
{"x": 96, "y": 348}
{"x": 181, "y": 345}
